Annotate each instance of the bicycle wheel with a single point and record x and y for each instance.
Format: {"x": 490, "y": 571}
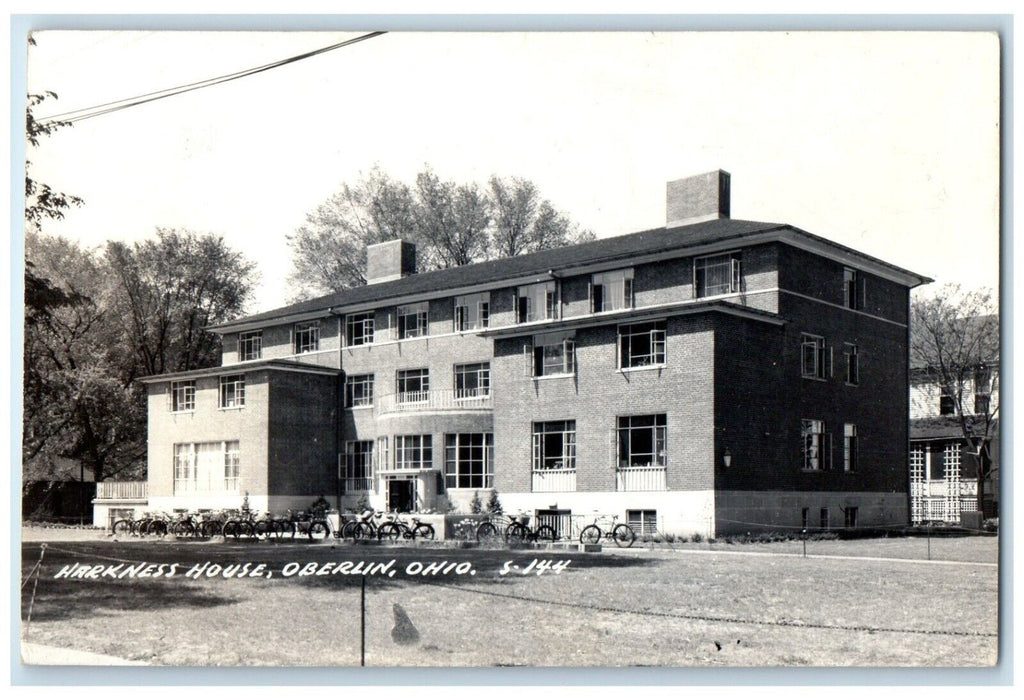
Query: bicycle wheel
{"x": 141, "y": 527}
{"x": 158, "y": 528}
{"x": 121, "y": 528}
{"x": 183, "y": 529}
{"x": 591, "y": 535}
{"x": 318, "y": 530}
{"x": 389, "y": 531}
{"x": 623, "y": 535}
{"x": 261, "y": 528}
{"x": 247, "y": 529}
{"x": 487, "y": 533}
{"x": 211, "y": 528}
{"x": 364, "y": 531}
{"x": 348, "y": 530}
{"x": 232, "y": 529}
{"x": 546, "y": 533}
{"x": 423, "y": 531}
{"x": 286, "y": 529}
{"x": 516, "y": 533}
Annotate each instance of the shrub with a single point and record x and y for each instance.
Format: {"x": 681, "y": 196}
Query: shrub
{"x": 991, "y": 525}
{"x": 697, "y": 537}
{"x": 494, "y": 504}
{"x": 475, "y": 506}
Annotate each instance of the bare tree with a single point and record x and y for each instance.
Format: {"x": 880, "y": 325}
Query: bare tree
{"x": 955, "y": 343}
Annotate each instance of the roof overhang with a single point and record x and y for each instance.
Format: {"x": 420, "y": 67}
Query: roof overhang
{"x": 260, "y": 365}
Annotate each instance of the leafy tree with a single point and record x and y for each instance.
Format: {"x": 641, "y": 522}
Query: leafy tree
{"x": 41, "y": 201}
{"x": 451, "y": 224}
{"x": 955, "y": 345}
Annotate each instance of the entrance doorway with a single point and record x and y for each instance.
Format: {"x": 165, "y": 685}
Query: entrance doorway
{"x": 401, "y": 495}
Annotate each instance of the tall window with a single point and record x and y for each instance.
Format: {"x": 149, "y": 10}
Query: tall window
{"x": 982, "y": 390}
{"x": 554, "y": 445}
{"x": 232, "y": 391}
{"x": 850, "y": 516}
{"x": 359, "y": 390}
{"x": 307, "y": 337}
{"x": 413, "y": 385}
{"x": 536, "y": 302}
{"x": 414, "y": 451}
{"x": 358, "y": 465}
{"x": 824, "y": 519}
{"x": 611, "y": 290}
{"x": 642, "y": 441}
{"x": 947, "y": 407}
{"x": 716, "y": 274}
{"x": 813, "y": 358}
{"x": 852, "y": 364}
{"x": 359, "y": 329}
{"x": 250, "y": 345}
{"x": 642, "y": 345}
{"x": 473, "y": 380}
{"x": 551, "y": 354}
{"x": 469, "y": 460}
{"x": 849, "y": 447}
{"x": 853, "y": 289}
{"x": 412, "y": 321}
{"x": 472, "y": 311}
{"x": 206, "y": 467}
{"x": 183, "y": 396}
{"x": 816, "y": 445}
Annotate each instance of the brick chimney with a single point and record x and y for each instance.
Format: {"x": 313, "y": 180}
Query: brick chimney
{"x": 390, "y": 260}
{"x": 697, "y": 198}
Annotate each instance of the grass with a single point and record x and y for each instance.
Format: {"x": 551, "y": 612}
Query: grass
{"x": 632, "y": 608}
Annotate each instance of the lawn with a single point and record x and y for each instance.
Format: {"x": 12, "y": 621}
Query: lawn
{"x": 629, "y": 607}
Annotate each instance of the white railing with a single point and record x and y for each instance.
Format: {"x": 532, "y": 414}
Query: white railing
{"x": 350, "y": 485}
{"x": 435, "y": 400}
{"x": 641, "y": 479}
{"x": 947, "y": 510}
{"x": 122, "y": 490}
{"x": 554, "y": 480}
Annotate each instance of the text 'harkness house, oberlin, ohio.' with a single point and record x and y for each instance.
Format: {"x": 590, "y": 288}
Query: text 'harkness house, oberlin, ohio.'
{"x": 709, "y": 376}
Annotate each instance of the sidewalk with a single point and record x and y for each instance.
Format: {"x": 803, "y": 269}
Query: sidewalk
{"x": 41, "y": 655}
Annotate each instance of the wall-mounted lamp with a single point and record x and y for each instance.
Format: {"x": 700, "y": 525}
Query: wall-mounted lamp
{"x": 727, "y": 458}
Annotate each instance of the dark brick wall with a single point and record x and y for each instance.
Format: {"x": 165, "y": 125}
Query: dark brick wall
{"x": 303, "y": 444}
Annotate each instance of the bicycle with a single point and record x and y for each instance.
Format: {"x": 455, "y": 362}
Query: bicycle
{"x": 621, "y": 533}
{"x": 515, "y": 532}
{"x": 396, "y": 528}
{"x": 364, "y": 527}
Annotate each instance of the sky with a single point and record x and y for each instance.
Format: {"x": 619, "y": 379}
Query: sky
{"x": 884, "y": 142}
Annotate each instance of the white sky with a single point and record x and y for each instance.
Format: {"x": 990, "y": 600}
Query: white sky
{"x": 886, "y": 142}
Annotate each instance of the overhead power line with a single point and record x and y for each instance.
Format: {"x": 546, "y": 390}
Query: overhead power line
{"x": 108, "y": 107}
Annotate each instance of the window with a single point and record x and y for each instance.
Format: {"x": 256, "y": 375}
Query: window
{"x": 359, "y": 390}
{"x": 412, "y": 321}
{"x": 206, "y": 467}
{"x": 536, "y": 302}
{"x": 469, "y": 460}
{"x": 610, "y": 291}
{"x": 358, "y": 465}
{"x": 232, "y": 391}
{"x": 849, "y": 447}
{"x": 183, "y": 396}
{"x": 716, "y": 274}
{"x": 816, "y": 445}
{"x": 307, "y": 337}
{"x": 359, "y": 329}
{"x": 805, "y": 517}
{"x": 554, "y": 445}
{"x": 472, "y": 311}
{"x": 850, "y": 516}
{"x": 947, "y": 407}
{"x": 643, "y": 522}
{"x": 824, "y": 518}
{"x": 982, "y": 390}
{"x": 982, "y": 402}
{"x": 250, "y": 345}
{"x": 413, "y": 385}
{"x": 414, "y": 452}
{"x": 813, "y": 357}
{"x": 853, "y": 289}
{"x": 642, "y": 441}
{"x": 642, "y": 345}
{"x": 551, "y": 354}
{"x": 852, "y": 364}
{"x": 473, "y": 380}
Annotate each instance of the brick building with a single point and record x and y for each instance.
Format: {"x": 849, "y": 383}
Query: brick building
{"x": 711, "y": 375}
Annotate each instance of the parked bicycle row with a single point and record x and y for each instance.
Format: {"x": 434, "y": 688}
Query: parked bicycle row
{"x": 369, "y": 525}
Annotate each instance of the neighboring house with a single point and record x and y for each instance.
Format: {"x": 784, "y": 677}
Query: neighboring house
{"x": 711, "y": 376}
{"x": 64, "y": 496}
{"x": 943, "y": 468}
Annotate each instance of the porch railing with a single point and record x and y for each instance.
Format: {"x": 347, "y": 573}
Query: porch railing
{"x": 436, "y": 400}
{"x": 554, "y": 480}
{"x": 641, "y": 479}
{"x": 122, "y": 490}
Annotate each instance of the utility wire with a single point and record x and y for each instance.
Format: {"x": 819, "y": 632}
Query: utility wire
{"x": 108, "y": 107}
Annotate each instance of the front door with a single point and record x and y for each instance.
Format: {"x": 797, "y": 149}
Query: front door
{"x": 401, "y": 495}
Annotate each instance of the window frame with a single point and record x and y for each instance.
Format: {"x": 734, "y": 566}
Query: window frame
{"x": 644, "y": 521}
{"x": 402, "y": 379}
{"x": 183, "y": 396}
{"x": 816, "y": 445}
{"x": 359, "y": 456}
{"x": 414, "y": 452}
{"x": 472, "y": 312}
{"x": 361, "y": 326}
{"x": 654, "y": 329}
{"x": 458, "y": 471}
{"x": 566, "y": 460}
{"x": 420, "y": 325}
{"x": 226, "y": 381}
{"x": 250, "y": 345}
{"x": 853, "y": 289}
{"x": 626, "y": 427}
{"x": 185, "y": 471}
{"x": 611, "y": 291}
{"x": 852, "y": 354}
{"x": 702, "y": 264}
{"x": 306, "y": 337}
{"x": 816, "y": 345}
{"x": 539, "y": 360}
{"x": 481, "y": 371}
{"x": 851, "y": 447}
{"x": 529, "y": 296}
{"x": 366, "y": 398}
